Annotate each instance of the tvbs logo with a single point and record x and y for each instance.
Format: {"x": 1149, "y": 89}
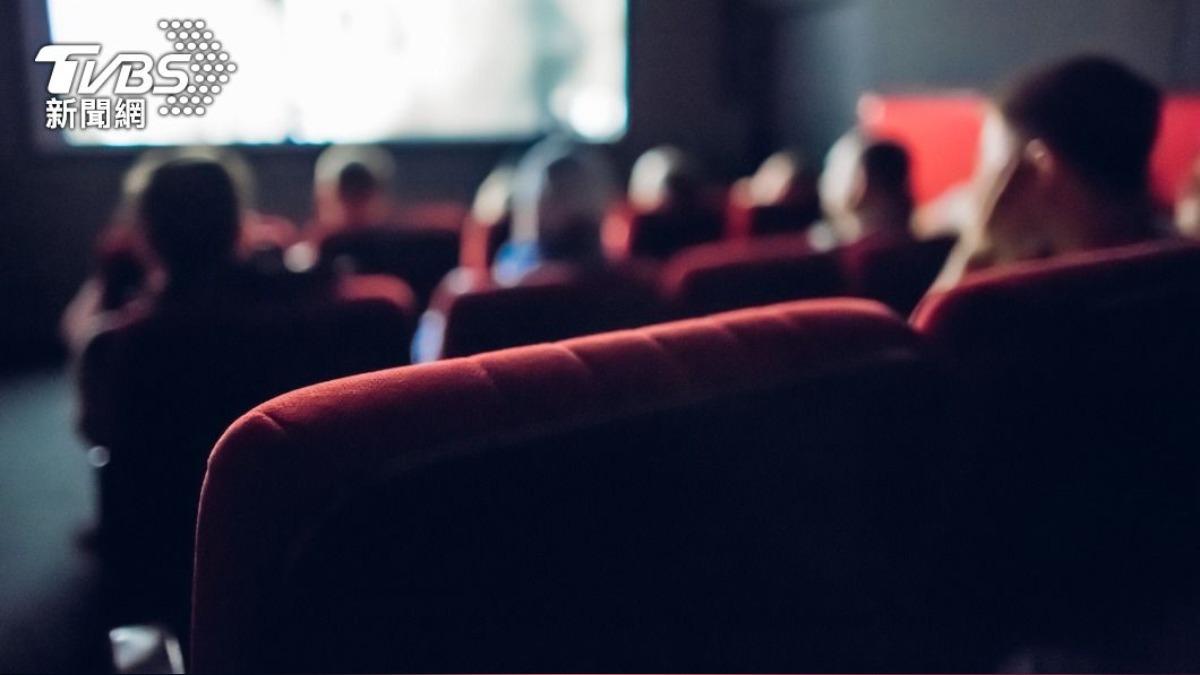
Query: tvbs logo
{"x": 187, "y": 79}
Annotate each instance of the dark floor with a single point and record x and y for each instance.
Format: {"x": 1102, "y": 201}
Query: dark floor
{"x": 50, "y": 617}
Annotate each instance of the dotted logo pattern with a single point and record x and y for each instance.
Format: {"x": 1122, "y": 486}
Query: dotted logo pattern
{"x": 208, "y": 71}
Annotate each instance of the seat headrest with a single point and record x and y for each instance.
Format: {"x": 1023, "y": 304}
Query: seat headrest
{"x": 1036, "y": 295}
{"x": 744, "y": 273}
{"x": 554, "y": 302}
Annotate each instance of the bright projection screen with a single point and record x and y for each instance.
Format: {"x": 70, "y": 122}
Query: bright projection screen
{"x": 316, "y": 71}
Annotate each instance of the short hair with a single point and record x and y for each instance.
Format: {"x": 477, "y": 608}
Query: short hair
{"x": 354, "y": 172}
{"x": 191, "y": 213}
{"x": 886, "y": 164}
{"x": 356, "y": 183}
{"x": 1098, "y": 115}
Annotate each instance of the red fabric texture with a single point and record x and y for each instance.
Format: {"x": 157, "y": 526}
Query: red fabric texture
{"x": 1079, "y": 378}
{"x": 1064, "y": 281}
{"x": 744, "y": 273}
{"x": 480, "y": 241}
{"x": 555, "y": 302}
{"x": 276, "y": 469}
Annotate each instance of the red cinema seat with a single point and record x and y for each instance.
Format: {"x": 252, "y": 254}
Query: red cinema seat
{"x": 438, "y": 215}
{"x": 481, "y": 242}
{"x": 419, "y": 256}
{"x": 894, "y": 272}
{"x": 746, "y": 273}
{"x": 659, "y": 235}
{"x": 477, "y": 315}
{"x": 1083, "y": 374}
{"x": 157, "y": 391}
{"x": 763, "y": 221}
{"x": 703, "y": 495}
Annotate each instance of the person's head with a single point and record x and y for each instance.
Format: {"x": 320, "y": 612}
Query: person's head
{"x": 352, "y": 183}
{"x": 1187, "y": 211}
{"x": 664, "y": 178}
{"x": 883, "y": 190}
{"x": 784, "y": 179}
{"x": 239, "y": 170}
{"x": 1064, "y": 157}
{"x": 191, "y": 214}
{"x": 561, "y": 197}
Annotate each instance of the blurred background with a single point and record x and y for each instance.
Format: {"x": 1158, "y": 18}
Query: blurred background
{"x": 731, "y": 80}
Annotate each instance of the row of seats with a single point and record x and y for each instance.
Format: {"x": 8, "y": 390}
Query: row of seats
{"x": 815, "y": 485}
{"x": 159, "y": 389}
{"x": 654, "y": 235}
{"x": 685, "y": 246}
{"x": 479, "y": 315}
{"x": 720, "y": 277}
{"x": 152, "y": 397}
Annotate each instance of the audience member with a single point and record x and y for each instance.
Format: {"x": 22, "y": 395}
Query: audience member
{"x": 1063, "y": 166}
{"x": 668, "y": 208}
{"x": 561, "y": 196}
{"x": 352, "y": 188}
{"x": 780, "y": 197}
{"x": 560, "y": 199}
{"x": 881, "y": 201}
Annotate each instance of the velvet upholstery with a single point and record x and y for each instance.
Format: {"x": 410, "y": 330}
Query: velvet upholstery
{"x": 1082, "y": 375}
{"x": 552, "y": 303}
{"x": 481, "y": 241}
{"x": 695, "y": 495}
{"x": 744, "y": 273}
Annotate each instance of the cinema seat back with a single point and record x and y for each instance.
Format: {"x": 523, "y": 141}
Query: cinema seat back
{"x": 481, "y": 241}
{"x": 746, "y": 273}
{"x": 419, "y": 256}
{"x": 661, "y": 235}
{"x": 554, "y": 303}
{"x": 1083, "y": 375}
{"x": 896, "y": 273}
{"x": 771, "y": 220}
{"x": 729, "y": 493}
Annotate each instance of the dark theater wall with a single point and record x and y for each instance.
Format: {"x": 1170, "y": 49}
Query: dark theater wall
{"x": 831, "y": 50}
{"x": 51, "y": 206}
